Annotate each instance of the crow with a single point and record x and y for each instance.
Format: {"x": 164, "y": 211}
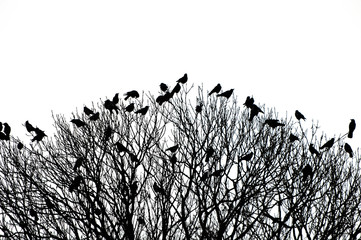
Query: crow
{"x": 130, "y": 107}
{"x": 143, "y": 111}
{"x": 78, "y": 122}
{"x": 20, "y": 146}
{"x": 40, "y": 134}
{"x": 158, "y": 189}
{"x": 163, "y": 87}
{"x": 249, "y": 102}
{"x": 116, "y": 98}
{"x": 254, "y": 112}
{"x": 94, "y": 117}
{"x": 348, "y": 149}
{"x": 209, "y": 153}
{"x": 307, "y": 171}
{"x": 160, "y": 100}
{"x": 7, "y": 129}
{"x": 299, "y": 115}
{"x": 173, "y": 149}
{"x": 293, "y": 138}
{"x": 29, "y": 127}
{"x": 110, "y": 106}
{"x": 133, "y": 94}
{"x": 226, "y": 94}
{"x": 351, "y": 128}
{"x": 199, "y": 108}
{"x": 121, "y": 147}
{"x": 4, "y": 137}
{"x": 313, "y": 150}
{"x": 183, "y": 79}
{"x": 75, "y": 183}
{"x": 328, "y": 144}
{"x": 176, "y": 89}
{"x": 273, "y": 123}
{"x": 78, "y": 163}
{"x": 87, "y": 111}
{"x": 216, "y": 89}
{"x": 246, "y": 157}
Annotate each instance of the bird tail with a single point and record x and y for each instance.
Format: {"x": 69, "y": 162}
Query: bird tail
{"x": 350, "y": 134}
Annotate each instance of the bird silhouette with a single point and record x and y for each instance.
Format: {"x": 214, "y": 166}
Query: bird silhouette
{"x": 40, "y": 134}
{"x": 293, "y": 138}
{"x": 160, "y": 100}
{"x": 4, "y": 137}
{"x": 7, "y": 129}
{"x": 78, "y": 122}
{"x": 158, "y": 189}
{"x": 348, "y": 149}
{"x": 299, "y": 115}
{"x": 173, "y": 149}
{"x": 273, "y": 123}
{"x": 176, "y": 89}
{"x": 313, "y": 150}
{"x": 226, "y": 94}
{"x": 351, "y": 128}
{"x": 328, "y": 144}
{"x": 307, "y": 171}
{"x": 249, "y": 102}
{"x": 209, "y": 153}
{"x": 133, "y": 94}
{"x": 130, "y": 107}
{"x": 246, "y": 157}
{"x": 199, "y": 108}
{"x": 163, "y": 87}
{"x": 254, "y": 112}
{"x": 183, "y": 79}
{"x": 94, "y": 117}
{"x": 20, "y": 146}
{"x": 216, "y": 89}
{"x": 75, "y": 183}
{"x": 87, "y": 111}
{"x": 78, "y": 163}
{"x": 29, "y": 127}
{"x": 110, "y": 106}
{"x": 121, "y": 147}
{"x": 116, "y": 98}
{"x": 143, "y": 111}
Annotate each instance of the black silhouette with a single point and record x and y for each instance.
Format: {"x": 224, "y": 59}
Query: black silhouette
{"x": 176, "y": 89}
{"x": 34, "y": 214}
{"x": 246, "y": 157}
{"x": 160, "y": 99}
{"x": 40, "y": 134}
{"x": 7, "y": 129}
{"x": 107, "y": 133}
{"x": 216, "y": 89}
{"x": 173, "y": 159}
{"x": 143, "y": 111}
{"x": 20, "y": 146}
{"x": 307, "y": 171}
{"x": 159, "y": 189}
{"x": 199, "y": 108}
{"x": 173, "y": 149}
{"x": 110, "y": 106}
{"x": 299, "y": 115}
{"x": 94, "y": 117}
{"x": 249, "y": 102}
{"x": 75, "y": 183}
{"x": 183, "y": 79}
{"x": 254, "y": 112}
{"x": 226, "y": 94}
{"x": 78, "y": 163}
{"x": 348, "y": 149}
{"x": 48, "y": 203}
{"x": 209, "y": 153}
{"x": 351, "y": 128}
{"x": 328, "y": 144}
{"x": 78, "y": 122}
{"x": 133, "y": 94}
{"x": 273, "y": 123}
{"x": 217, "y": 173}
{"x": 121, "y": 147}
{"x": 87, "y": 111}
{"x": 29, "y": 127}
{"x": 293, "y": 138}
{"x": 130, "y": 107}
{"x": 4, "y": 137}
{"x": 163, "y": 87}
{"x": 116, "y": 98}
{"x": 313, "y": 150}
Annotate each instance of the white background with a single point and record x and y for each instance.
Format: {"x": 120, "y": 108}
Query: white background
{"x": 59, "y": 55}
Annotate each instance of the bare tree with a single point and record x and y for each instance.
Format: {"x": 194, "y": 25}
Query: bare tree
{"x": 190, "y": 166}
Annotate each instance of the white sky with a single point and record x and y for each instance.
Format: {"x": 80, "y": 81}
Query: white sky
{"x": 59, "y": 55}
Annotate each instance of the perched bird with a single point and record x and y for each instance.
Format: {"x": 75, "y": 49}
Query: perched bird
{"x": 183, "y": 79}
{"x": 116, "y": 98}
{"x": 4, "y": 137}
{"x": 216, "y": 89}
{"x": 209, "y": 153}
{"x": 34, "y": 214}
{"x": 40, "y": 134}
{"x": 110, "y": 106}
{"x": 246, "y": 157}
{"x": 254, "y": 112}
{"x": 29, "y": 127}
{"x": 158, "y": 189}
{"x": 299, "y": 115}
{"x": 348, "y": 149}
{"x": 130, "y": 107}
{"x": 199, "y": 108}
{"x": 78, "y": 163}
{"x": 94, "y": 117}
{"x": 121, "y": 147}
{"x": 20, "y": 146}
{"x": 143, "y": 111}
{"x": 328, "y": 144}
{"x": 133, "y": 94}
{"x": 87, "y": 111}
{"x": 313, "y": 150}
{"x": 160, "y": 100}
{"x": 163, "y": 87}
{"x": 217, "y": 173}
{"x": 173, "y": 149}
{"x": 351, "y": 128}
{"x": 75, "y": 183}
{"x": 293, "y": 138}
{"x": 107, "y": 133}
{"x": 249, "y": 102}
{"x": 176, "y": 89}
{"x": 7, "y": 129}
{"x": 307, "y": 171}
{"x": 226, "y": 94}
{"x": 273, "y": 123}
{"x": 78, "y": 122}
